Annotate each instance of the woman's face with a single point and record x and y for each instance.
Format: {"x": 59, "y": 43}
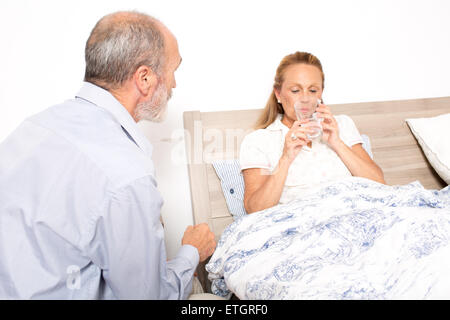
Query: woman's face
{"x": 302, "y": 83}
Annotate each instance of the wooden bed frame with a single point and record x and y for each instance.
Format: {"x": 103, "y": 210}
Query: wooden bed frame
{"x": 217, "y": 135}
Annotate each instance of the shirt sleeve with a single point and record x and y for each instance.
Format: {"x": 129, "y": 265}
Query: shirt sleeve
{"x": 251, "y": 154}
{"x": 348, "y": 131}
{"x": 128, "y": 245}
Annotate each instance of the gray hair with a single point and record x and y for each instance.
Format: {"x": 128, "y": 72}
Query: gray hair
{"x": 119, "y": 44}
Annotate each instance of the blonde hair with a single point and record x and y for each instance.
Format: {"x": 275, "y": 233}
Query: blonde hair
{"x": 273, "y": 108}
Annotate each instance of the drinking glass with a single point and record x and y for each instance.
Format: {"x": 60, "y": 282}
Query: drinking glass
{"x": 307, "y": 111}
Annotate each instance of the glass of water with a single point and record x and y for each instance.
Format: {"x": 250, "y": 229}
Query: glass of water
{"x": 307, "y": 111}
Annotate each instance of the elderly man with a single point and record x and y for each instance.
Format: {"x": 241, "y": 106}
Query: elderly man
{"x": 79, "y": 207}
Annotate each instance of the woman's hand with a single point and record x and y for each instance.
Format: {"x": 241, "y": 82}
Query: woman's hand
{"x": 294, "y": 140}
{"x": 263, "y": 188}
{"x": 330, "y": 127}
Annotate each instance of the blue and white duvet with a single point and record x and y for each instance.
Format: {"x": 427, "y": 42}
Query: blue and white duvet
{"x": 352, "y": 239}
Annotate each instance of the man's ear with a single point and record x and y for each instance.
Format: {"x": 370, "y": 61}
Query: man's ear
{"x": 145, "y": 80}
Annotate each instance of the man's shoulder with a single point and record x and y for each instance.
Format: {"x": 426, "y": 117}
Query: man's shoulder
{"x": 71, "y": 115}
{"x": 94, "y": 133}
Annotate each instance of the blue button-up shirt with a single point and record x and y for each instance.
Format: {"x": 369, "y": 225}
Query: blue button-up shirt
{"x": 79, "y": 208}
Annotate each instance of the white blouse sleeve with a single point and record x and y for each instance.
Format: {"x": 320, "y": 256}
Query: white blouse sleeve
{"x": 251, "y": 153}
{"x": 348, "y": 131}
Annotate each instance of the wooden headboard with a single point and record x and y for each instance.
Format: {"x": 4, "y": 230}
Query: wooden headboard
{"x": 217, "y": 135}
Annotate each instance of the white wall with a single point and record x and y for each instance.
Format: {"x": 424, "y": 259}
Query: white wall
{"x": 370, "y": 50}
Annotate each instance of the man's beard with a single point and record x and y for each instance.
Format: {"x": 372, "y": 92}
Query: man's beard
{"x": 154, "y": 110}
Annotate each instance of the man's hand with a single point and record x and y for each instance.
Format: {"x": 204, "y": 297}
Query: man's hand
{"x": 201, "y": 237}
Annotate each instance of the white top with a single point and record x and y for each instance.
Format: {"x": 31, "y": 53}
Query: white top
{"x": 312, "y": 166}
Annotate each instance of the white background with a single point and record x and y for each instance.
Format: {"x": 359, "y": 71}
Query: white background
{"x": 370, "y": 51}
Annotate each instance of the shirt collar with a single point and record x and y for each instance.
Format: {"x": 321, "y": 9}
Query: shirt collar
{"x": 104, "y": 99}
{"x": 277, "y": 124}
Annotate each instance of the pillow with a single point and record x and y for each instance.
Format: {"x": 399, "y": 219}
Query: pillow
{"x": 432, "y": 135}
{"x": 232, "y": 181}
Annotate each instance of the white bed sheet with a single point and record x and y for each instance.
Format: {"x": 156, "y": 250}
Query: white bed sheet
{"x": 352, "y": 239}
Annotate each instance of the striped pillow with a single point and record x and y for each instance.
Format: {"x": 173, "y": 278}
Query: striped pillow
{"x": 232, "y": 181}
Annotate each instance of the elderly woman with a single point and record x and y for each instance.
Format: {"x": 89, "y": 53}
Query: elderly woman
{"x": 280, "y": 161}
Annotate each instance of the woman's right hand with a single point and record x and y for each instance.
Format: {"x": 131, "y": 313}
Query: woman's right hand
{"x": 294, "y": 140}
{"x": 263, "y": 187}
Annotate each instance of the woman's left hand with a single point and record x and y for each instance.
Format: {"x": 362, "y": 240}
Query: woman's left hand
{"x": 330, "y": 127}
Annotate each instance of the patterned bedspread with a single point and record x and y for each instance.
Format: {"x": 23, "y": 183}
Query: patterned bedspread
{"x": 352, "y": 239}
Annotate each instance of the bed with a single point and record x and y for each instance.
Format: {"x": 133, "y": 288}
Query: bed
{"x": 212, "y": 136}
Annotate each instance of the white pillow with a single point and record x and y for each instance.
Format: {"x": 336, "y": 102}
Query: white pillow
{"x": 433, "y": 136}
